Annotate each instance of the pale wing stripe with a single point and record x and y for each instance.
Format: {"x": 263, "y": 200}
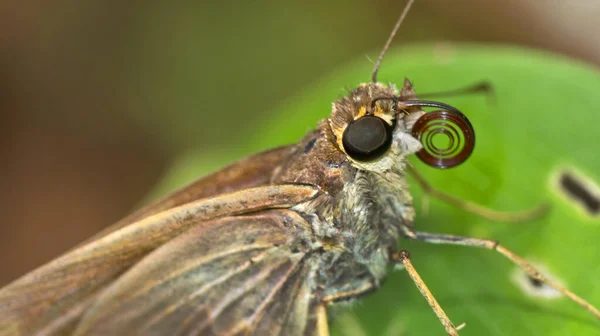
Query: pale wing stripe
{"x": 69, "y": 316}
{"x": 230, "y": 298}
{"x": 290, "y": 306}
{"x": 248, "y": 322}
{"x": 193, "y": 265}
{"x": 203, "y": 289}
{"x": 249, "y": 285}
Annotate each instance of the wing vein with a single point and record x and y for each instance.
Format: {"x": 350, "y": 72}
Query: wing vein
{"x": 204, "y": 288}
{"x": 250, "y": 321}
{"x": 201, "y": 261}
{"x": 249, "y": 285}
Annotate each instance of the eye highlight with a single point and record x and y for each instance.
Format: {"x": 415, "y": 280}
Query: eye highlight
{"x": 367, "y": 138}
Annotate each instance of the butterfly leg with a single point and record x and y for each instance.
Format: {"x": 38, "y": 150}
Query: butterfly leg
{"x": 322, "y": 326}
{"x": 365, "y": 288}
{"x": 479, "y": 210}
{"x": 519, "y": 261}
{"x": 403, "y": 257}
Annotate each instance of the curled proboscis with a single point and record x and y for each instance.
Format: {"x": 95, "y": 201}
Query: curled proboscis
{"x": 448, "y": 138}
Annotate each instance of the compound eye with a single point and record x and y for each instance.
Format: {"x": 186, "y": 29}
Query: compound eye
{"x": 367, "y": 138}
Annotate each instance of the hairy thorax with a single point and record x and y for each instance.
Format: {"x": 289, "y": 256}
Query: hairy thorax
{"x": 359, "y": 215}
{"x": 355, "y": 230}
{"x": 355, "y": 222}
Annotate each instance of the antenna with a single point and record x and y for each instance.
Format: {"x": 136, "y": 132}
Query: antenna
{"x": 390, "y": 39}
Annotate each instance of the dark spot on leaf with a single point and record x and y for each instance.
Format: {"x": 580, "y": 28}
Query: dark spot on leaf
{"x": 534, "y": 287}
{"x": 580, "y": 192}
{"x": 535, "y": 282}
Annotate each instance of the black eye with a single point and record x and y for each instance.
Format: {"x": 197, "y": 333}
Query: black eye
{"x": 367, "y": 138}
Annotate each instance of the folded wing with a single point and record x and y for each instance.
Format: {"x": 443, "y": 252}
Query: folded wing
{"x": 52, "y": 298}
{"x": 238, "y": 275}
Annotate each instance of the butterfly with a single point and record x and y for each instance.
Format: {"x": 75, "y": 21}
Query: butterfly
{"x": 264, "y": 245}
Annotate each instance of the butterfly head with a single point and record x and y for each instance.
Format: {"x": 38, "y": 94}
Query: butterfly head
{"x": 377, "y": 126}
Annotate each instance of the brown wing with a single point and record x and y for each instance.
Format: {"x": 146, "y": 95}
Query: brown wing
{"x": 234, "y": 275}
{"x": 53, "y": 296}
{"x": 252, "y": 171}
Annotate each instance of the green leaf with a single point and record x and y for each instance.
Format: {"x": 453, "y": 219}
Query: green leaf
{"x": 545, "y": 119}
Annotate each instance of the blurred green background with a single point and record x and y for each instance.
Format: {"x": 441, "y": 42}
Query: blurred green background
{"x": 100, "y": 98}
